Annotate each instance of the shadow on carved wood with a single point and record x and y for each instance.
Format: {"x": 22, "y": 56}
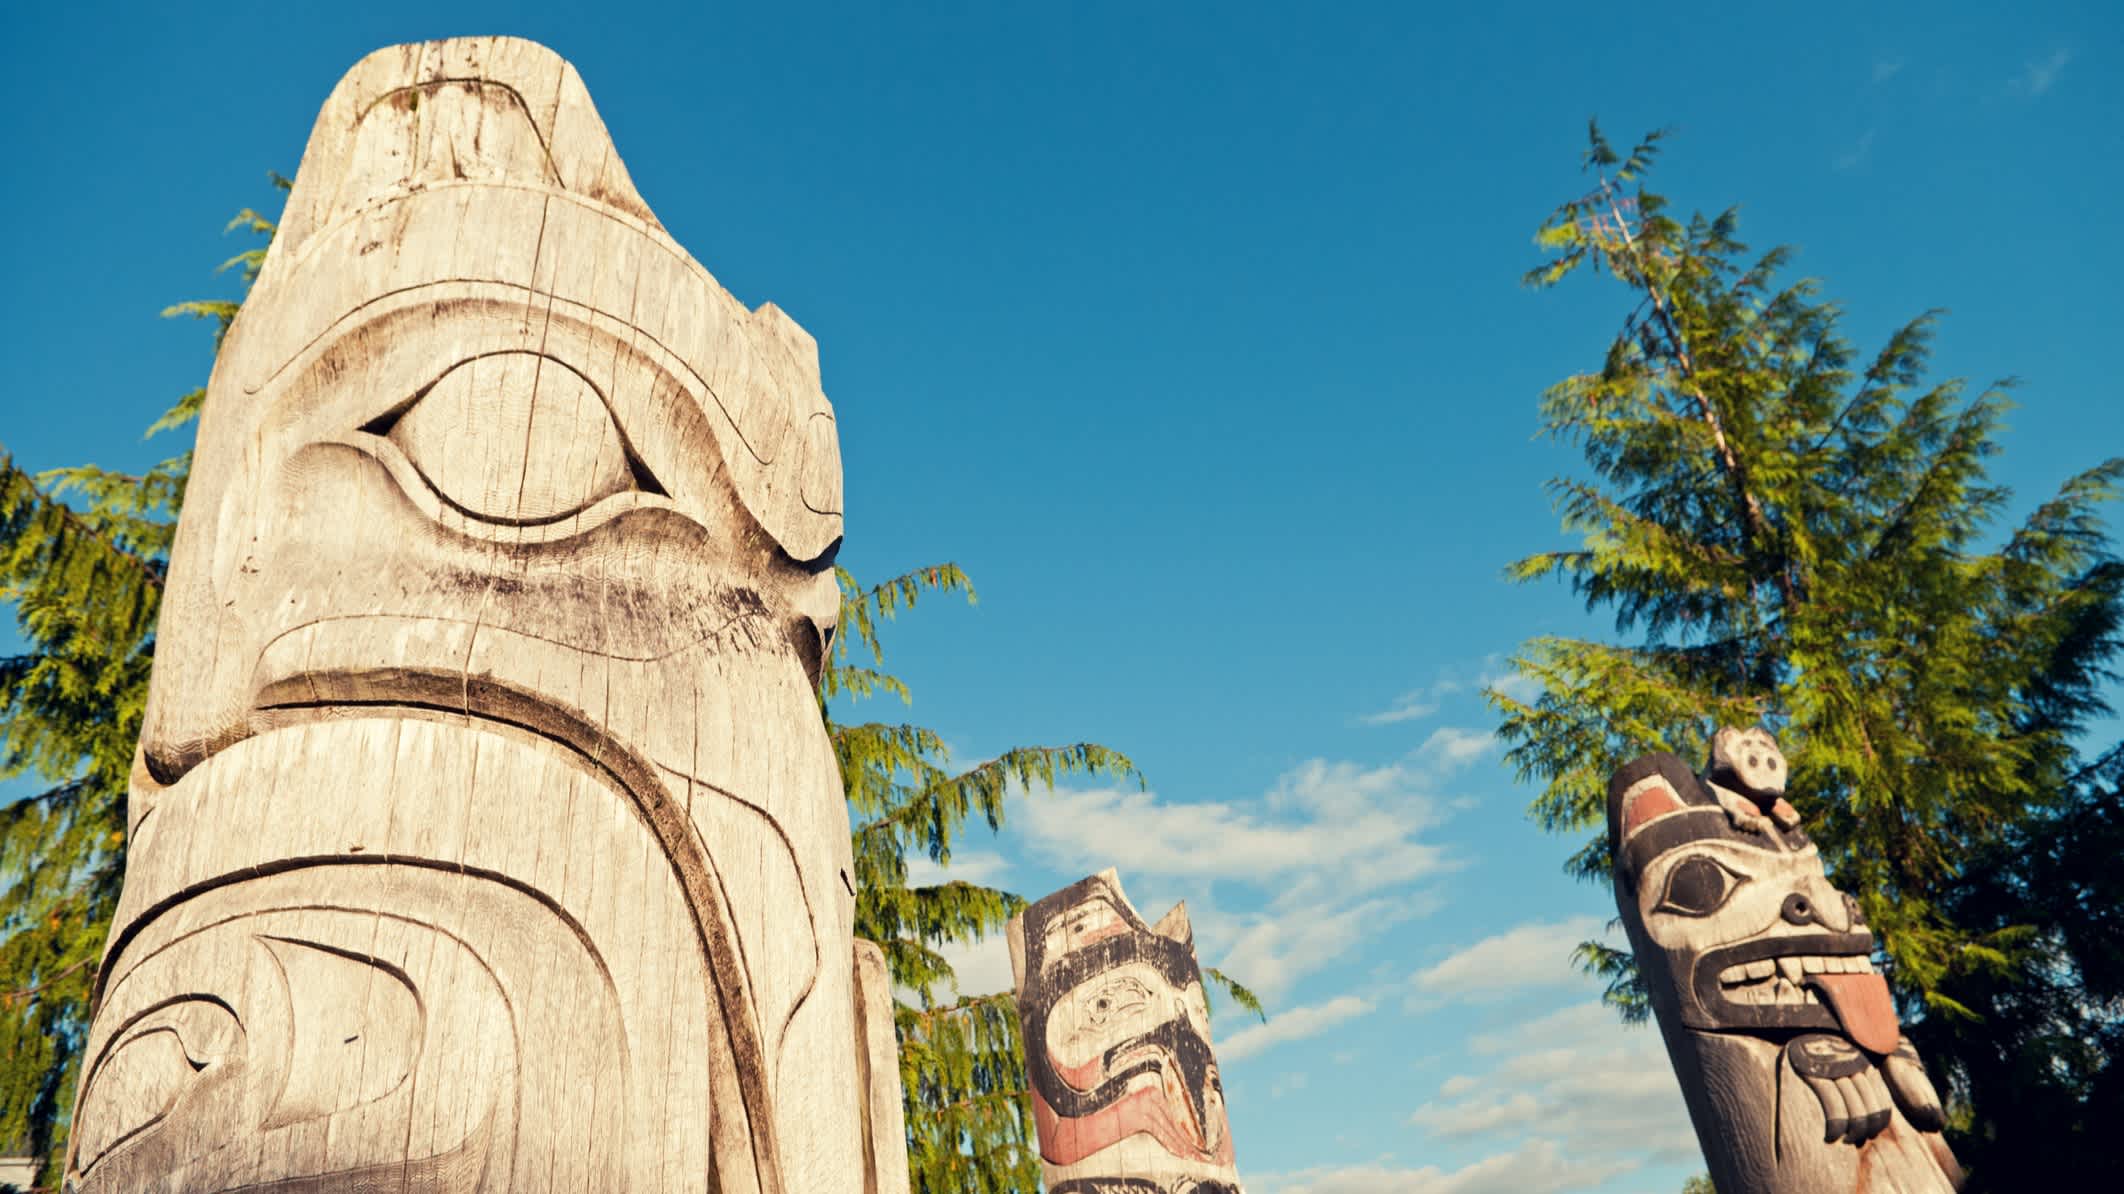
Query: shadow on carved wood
{"x": 485, "y": 835}
{"x": 1785, "y": 1039}
{"x": 1126, "y": 1094}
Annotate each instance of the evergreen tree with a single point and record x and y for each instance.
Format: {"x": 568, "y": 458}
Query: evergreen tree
{"x": 1792, "y": 538}
{"x": 82, "y": 556}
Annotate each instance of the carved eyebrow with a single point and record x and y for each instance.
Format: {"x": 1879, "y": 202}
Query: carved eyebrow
{"x": 1696, "y": 824}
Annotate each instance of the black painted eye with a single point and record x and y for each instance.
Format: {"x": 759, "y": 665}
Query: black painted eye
{"x": 1119, "y": 997}
{"x": 1699, "y": 886}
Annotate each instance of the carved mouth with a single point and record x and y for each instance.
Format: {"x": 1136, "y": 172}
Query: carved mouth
{"x": 1783, "y": 979}
{"x": 1779, "y": 982}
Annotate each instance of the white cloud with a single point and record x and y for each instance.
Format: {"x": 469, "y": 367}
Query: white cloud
{"x": 2038, "y": 77}
{"x": 1470, "y": 1117}
{"x": 1500, "y": 676}
{"x": 1277, "y": 947}
{"x": 1450, "y": 748}
{"x": 1854, "y": 157}
{"x": 1885, "y": 69}
{"x": 1348, "y": 818}
{"x": 1412, "y": 705}
{"x": 1536, "y": 1167}
{"x": 985, "y": 867}
{"x": 1334, "y": 847}
{"x": 1605, "y": 1090}
{"x": 982, "y": 968}
{"x": 1537, "y": 954}
{"x": 1296, "y": 1024}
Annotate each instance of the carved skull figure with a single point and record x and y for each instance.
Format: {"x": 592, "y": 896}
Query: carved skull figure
{"x": 1784, "y": 1037}
{"x": 485, "y": 835}
{"x": 1126, "y": 1094}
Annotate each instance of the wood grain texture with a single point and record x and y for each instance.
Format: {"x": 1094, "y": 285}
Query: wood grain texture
{"x": 1126, "y": 1094}
{"x": 1783, "y": 1036}
{"x": 485, "y": 834}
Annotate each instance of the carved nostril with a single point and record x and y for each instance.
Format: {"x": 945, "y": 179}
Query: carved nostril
{"x": 1853, "y": 911}
{"x": 1798, "y": 909}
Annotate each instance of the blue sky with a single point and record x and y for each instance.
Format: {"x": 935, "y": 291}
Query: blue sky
{"x": 1193, "y": 332}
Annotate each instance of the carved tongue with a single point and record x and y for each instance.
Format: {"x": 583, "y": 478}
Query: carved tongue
{"x": 1862, "y": 1006}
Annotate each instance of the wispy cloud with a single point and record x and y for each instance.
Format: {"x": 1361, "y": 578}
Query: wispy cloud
{"x": 969, "y": 866}
{"x": 1576, "y": 1075}
{"x": 1885, "y": 69}
{"x": 1294, "y": 1025}
{"x": 1535, "y": 1167}
{"x": 1537, "y": 954}
{"x": 1854, "y": 157}
{"x": 980, "y": 968}
{"x": 1336, "y": 848}
{"x": 1499, "y": 675}
{"x": 2041, "y": 75}
{"x": 1450, "y": 748}
{"x": 1412, "y": 705}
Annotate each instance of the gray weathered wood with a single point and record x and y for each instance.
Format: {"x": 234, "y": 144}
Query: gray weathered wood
{"x": 1794, "y": 1067}
{"x": 1126, "y": 1094}
{"x": 485, "y": 835}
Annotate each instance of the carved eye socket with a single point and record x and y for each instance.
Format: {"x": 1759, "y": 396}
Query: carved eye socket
{"x": 515, "y": 438}
{"x": 1699, "y": 886}
{"x": 1117, "y": 998}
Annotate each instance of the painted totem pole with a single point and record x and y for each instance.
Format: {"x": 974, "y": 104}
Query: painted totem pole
{"x": 485, "y": 835}
{"x": 1125, "y": 1090}
{"x": 1787, "y": 1045}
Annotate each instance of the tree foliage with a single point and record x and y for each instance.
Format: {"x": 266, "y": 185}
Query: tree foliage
{"x": 82, "y": 556}
{"x": 1787, "y": 533}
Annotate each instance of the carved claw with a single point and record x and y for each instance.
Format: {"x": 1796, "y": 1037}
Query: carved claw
{"x": 1855, "y": 1101}
{"x": 1913, "y": 1091}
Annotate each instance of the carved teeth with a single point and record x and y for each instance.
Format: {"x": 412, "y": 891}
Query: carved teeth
{"x": 1744, "y": 980}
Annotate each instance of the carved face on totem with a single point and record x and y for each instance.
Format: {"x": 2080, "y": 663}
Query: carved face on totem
{"x": 1740, "y": 927}
{"x": 502, "y": 582}
{"x": 1761, "y": 976}
{"x": 1117, "y": 1038}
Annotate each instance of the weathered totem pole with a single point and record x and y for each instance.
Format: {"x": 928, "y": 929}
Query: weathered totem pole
{"x": 1785, "y": 1039}
{"x": 1125, "y": 1091}
{"x": 485, "y": 835}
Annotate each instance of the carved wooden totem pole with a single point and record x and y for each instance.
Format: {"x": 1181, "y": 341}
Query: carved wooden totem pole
{"x": 1125, "y": 1090}
{"x": 485, "y": 835}
{"x": 1785, "y": 1039}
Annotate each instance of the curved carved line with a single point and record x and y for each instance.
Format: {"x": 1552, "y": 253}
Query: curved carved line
{"x": 279, "y": 868}
{"x": 534, "y": 293}
{"x": 405, "y": 980}
{"x": 268, "y": 703}
{"x": 706, "y": 895}
{"x": 545, "y": 150}
{"x": 118, "y": 1035}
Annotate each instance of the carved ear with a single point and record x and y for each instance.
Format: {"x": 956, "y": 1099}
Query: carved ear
{"x": 1175, "y": 925}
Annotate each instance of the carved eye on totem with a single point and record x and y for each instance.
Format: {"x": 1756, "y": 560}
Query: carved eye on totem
{"x": 1698, "y": 886}
{"x": 515, "y": 438}
{"x": 1120, "y": 997}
